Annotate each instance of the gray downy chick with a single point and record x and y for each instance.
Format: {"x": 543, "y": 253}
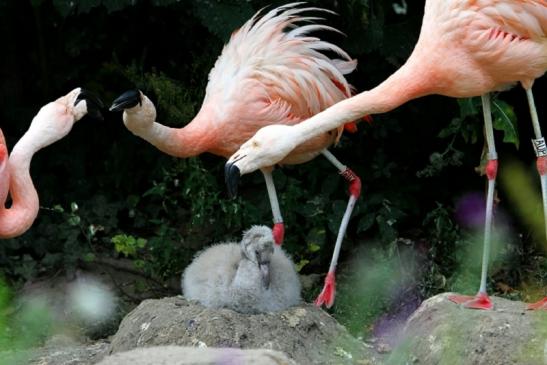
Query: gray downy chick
{"x": 254, "y": 276}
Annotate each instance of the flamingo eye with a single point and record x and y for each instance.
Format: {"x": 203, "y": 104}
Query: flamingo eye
{"x": 255, "y": 144}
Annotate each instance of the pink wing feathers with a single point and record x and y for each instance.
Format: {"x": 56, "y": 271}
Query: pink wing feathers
{"x": 272, "y": 61}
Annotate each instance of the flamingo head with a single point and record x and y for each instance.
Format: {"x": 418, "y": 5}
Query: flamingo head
{"x": 55, "y": 119}
{"x": 267, "y": 147}
{"x": 139, "y": 112}
{"x": 257, "y": 246}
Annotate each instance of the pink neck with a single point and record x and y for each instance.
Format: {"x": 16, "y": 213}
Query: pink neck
{"x": 15, "y": 220}
{"x": 188, "y": 141}
{"x": 407, "y": 83}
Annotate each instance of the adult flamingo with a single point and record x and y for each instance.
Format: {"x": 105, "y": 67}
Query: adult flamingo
{"x": 466, "y": 48}
{"x": 270, "y": 72}
{"x": 53, "y": 122}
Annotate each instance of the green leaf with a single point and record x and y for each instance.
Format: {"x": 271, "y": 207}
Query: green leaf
{"x": 312, "y": 247}
{"x": 366, "y": 222}
{"x": 504, "y": 119}
{"x": 301, "y": 264}
{"x": 468, "y": 107}
{"x": 89, "y": 257}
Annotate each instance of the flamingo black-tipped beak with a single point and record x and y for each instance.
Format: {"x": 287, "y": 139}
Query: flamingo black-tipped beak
{"x": 231, "y": 177}
{"x": 127, "y": 100}
{"x": 94, "y": 104}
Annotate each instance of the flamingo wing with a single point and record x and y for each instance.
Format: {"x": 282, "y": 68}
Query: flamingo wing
{"x": 273, "y": 71}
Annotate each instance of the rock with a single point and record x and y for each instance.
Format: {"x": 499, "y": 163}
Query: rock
{"x": 62, "y": 350}
{"x": 305, "y": 333}
{"x": 441, "y": 332}
{"x": 176, "y": 355}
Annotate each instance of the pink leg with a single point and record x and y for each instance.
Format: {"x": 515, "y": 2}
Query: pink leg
{"x": 278, "y": 229}
{"x": 328, "y": 293}
{"x": 481, "y": 299}
{"x": 540, "y": 148}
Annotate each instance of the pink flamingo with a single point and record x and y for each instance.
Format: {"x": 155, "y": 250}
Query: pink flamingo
{"x": 4, "y": 170}
{"x": 53, "y": 122}
{"x": 466, "y": 48}
{"x": 271, "y": 71}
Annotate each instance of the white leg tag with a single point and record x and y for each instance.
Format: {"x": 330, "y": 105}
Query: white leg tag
{"x": 540, "y": 147}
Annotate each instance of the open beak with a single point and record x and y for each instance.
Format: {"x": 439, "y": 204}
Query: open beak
{"x": 127, "y": 100}
{"x": 94, "y": 104}
{"x": 231, "y": 177}
{"x": 264, "y": 268}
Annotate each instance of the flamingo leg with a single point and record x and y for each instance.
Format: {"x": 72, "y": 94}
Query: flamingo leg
{"x": 481, "y": 299}
{"x": 278, "y": 229}
{"x": 329, "y": 289}
{"x": 541, "y": 153}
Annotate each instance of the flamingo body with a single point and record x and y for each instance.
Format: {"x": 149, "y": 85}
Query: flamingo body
{"x": 466, "y": 48}
{"x": 264, "y": 75}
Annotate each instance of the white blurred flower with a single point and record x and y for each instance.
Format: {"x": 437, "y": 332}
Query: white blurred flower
{"x": 91, "y": 300}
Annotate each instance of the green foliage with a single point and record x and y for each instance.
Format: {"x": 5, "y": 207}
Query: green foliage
{"x": 21, "y": 326}
{"x": 128, "y": 245}
{"x": 468, "y": 126}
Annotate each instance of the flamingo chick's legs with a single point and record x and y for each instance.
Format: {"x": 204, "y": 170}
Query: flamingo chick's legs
{"x": 328, "y": 293}
{"x": 481, "y": 300}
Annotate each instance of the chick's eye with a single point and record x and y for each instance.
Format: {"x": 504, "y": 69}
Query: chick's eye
{"x": 255, "y": 144}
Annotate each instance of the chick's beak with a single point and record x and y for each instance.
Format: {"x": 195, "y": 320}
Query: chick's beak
{"x": 264, "y": 268}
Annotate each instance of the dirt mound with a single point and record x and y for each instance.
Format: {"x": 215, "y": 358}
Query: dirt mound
{"x": 305, "y": 333}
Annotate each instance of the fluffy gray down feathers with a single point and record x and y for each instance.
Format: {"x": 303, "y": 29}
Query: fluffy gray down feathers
{"x": 227, "y": 275}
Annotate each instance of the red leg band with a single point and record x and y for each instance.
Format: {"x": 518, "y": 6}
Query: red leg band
{"x": 492, "y": 169}
{"x": 354, "y": 182}
{"x": 278, "y": 232}
{"x": 541, "y": 164}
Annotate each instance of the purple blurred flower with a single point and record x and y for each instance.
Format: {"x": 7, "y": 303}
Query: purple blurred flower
{"x": 470, "y": 210}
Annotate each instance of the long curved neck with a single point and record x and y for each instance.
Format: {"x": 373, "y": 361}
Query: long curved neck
{"x": 411, "y": 81}
{"x": 24, "y": 208}
{"x": 191, "y": 140}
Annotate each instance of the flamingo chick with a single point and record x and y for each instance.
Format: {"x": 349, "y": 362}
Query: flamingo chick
{"x": 465, "y": 48}
{"x": 53, "y": 122}
{"x": 253, "y": 276}
{"x": 270, "y": 72}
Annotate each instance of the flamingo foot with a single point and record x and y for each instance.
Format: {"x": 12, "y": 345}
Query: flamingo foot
{"x": 542, "y": 304}
{"x": 278, "y": 231}
{"x": 328, "y": 293}
{"x": 479, "y": 301}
